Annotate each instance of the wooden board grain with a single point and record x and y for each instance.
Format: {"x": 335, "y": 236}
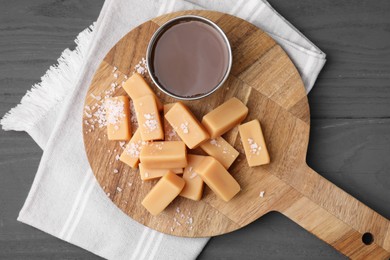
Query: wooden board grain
{"x": 265, "y": 79}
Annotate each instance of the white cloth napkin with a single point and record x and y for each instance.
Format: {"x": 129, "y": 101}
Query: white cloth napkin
{"x": 65, "y": 200}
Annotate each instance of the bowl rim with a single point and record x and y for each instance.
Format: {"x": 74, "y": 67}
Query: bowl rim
{"x": 162, "y": 29}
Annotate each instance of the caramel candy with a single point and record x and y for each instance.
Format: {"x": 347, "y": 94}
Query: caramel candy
{"x": 217, "y": 178}
{"x": 150, "y": 174}
{"x": 186, "y": 125}
{"x": 169, "y": 133}
{"x": 136, "y": 87}
{"x": 163, "y": 193}
{"x": 148, "y": 118}
{"x": 254, "y": 145}
{"x": 225, "y": 117}
{"x": 221, "y": 150}
{"x": 194, "y": 184}
{"x": 130, "y": 155}
{"x": 118, "y": 118}
{"x": 164, "y": 155}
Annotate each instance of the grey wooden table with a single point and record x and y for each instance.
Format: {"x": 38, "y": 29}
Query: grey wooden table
{"x": 350, "y": 111}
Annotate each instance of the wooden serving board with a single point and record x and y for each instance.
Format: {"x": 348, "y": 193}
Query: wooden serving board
{"x": 265, "y": 79}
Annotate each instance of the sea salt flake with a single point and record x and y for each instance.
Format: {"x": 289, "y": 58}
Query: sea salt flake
{"x": 134, "y": 149}
{"x": 150, "y": 122}
{"x": 184, "y": 127}
{"x": 117, "y": 157}
{"x": 118, "y": 189}
{"x": 214, "y": 142}
{"x": 193, "y": 175}
{"x": 115, "y": 171}
{"x": 254, "y": 147}
{"x": 96, "y": 97}
{"x": 262, "y": 194}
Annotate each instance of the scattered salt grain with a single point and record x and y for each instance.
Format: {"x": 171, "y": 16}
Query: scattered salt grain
{"x": 171, "y": 135}
{"x": 193, "y": 175}
{"x": 184, "y": 127}
{"x": 116, "y": 111}
{"x": 117, "y": 157}
{"x": 214, "y": 142}
{"x": 254, "y": 147}
{"x": 262, "y": 194}
{"x": 115, "y": 171}
{"x": 134, "y": 149}
{"x": 150, "y": 122}
{"x": 118, "y": 189}
{"x": 178, "y": 210}
{"x": 114, "y": 69}
{"x": 116, "y": 75}
{"x": 96, "y": 97}
{"x": 142, "y": 67}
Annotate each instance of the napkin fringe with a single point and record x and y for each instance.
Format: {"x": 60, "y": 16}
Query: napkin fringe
{"x": 55, "y": 84}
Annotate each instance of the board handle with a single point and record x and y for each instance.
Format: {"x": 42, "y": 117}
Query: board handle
{"x": 338, "y": 218}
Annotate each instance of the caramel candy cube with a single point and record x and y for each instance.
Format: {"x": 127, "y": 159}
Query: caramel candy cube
{"x": 148, "y": 118}
{"x": 151, "y": 174}
{"x": 118, "y": 118}
{"x": 194, "y": 184}
{"x": 217, "y": 178}
{"x": 164, "y": 155}
{"x": 169, "y": 133}
{"x": 225, "y": 117}
{"x": 130, "y": 155}
{"x": 221, "y": 150}
{"x": 186, "y": 125}
{"x": 254, "y": 145}
{"x": 163, "y": 193}
{"x": 136, "y": 87}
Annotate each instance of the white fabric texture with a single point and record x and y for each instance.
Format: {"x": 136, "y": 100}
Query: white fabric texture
{"x": 65, "y": 200}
